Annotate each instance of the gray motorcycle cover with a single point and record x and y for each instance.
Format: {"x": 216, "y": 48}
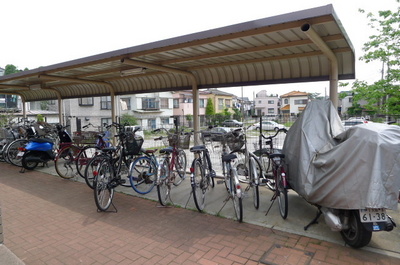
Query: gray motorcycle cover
{"x": 353, "y": 169}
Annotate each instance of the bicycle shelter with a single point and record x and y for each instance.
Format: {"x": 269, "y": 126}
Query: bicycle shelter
{"x": 303, "y": 46}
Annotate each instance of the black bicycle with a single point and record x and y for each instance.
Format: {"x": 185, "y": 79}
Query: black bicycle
{"x": 202, "y": 174}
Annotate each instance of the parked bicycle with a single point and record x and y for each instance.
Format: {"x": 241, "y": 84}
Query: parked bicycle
{"x": 249, "y": 171}
{"x": 232, "y": 142}
{"x": 173, "y": 165}
{"x": 278, "y": 184}
{"x": 112, "y": 168}
{"x": 202, "y": 173}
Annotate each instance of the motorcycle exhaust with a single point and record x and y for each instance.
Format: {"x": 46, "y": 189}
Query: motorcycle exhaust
{"x": 332, "y": 220}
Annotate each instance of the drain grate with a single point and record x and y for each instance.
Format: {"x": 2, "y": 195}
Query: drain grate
{"x": 278, "y": 255}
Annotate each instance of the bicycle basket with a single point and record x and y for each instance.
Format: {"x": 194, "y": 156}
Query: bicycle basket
{"x": 132, "y": 143}
{"x": 234, "y": 142}
{"x": 182, "y": 141}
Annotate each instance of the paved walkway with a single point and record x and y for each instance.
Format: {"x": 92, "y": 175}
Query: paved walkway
{"x": 48, "y": 220}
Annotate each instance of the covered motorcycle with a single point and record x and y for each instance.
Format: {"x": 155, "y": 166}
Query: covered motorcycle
{"x": 353, "y": 176}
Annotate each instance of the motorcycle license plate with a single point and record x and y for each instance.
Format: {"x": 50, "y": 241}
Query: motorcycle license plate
{"x": 372, "y": 215}
{"x": 20, "y": 154}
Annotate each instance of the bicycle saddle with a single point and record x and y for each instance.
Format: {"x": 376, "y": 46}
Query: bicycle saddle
{"x": 228, "y": 157}
{"x": 167, "y": 150}
{"x": 197, "y": 148}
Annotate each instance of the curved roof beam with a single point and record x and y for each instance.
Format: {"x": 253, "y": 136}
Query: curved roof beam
{"x": 86, "y": 81}
{"x": 334, "y": 71}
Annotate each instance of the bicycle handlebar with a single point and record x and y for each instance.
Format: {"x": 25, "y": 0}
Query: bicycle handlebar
{"x": 273, "y": 136}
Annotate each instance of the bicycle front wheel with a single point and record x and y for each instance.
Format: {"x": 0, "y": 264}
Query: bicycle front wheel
{"x": 180, "y": 166}
{"x": 91, "y": 170}
{"x": 143, "y": 175}
{"x": 14, "y": 155}
{"x": 282, "y": 193}
{"x": 83, "y": 158}
{"x": 103, "y": 188}
{"x": 199, "y": 185}
{"x": 254, "y": 181}
{"x": 65, "y": 162}
{"x": 163, "y": 183}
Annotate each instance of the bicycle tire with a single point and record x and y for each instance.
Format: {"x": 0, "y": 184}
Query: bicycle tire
{"x": 83, "y": 158}
{"x": 199, "y": 185}
{"x": 236, "y": 196}
{"x": 12, "y": 152}
{"x": 142, "y": 175}
{"x": 208, "y": 170}
{"x": 163, "y": 185}
{"x": 103, "y": 190}
{"x": 180, "y": 167}
{"x": 65, "y": 162}
{"x": 254, "y": 182}
{"x": 92, "y": 169}
{"x": 282, "y": 194}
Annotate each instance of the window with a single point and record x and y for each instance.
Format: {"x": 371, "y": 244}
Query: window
{"x": 165, "y": 121}
{"x": 150, "y": 104}
{"x": 176, "y": 103}
{"x": 271, "y": 110}
{"x": 201, "y": 103}
{"x": 164, "y": 104}
{"x": 189, "y": 100}
{"x": 151, "y": 123}
{"x": 286, "y": 101}
{"x": 125, "y": 103}
{"x": 105, "y": 102}
{"x": 107, "y": 121}
{"x": 259, "y": 102}
{"x": 228, "y": 103}
{"x": 271, "y": 101}
{"x": 85, "y": 101}
{"x": 51, "y": 102}
{"x": 220, "y": 104}
{"x": 300, "y": 101}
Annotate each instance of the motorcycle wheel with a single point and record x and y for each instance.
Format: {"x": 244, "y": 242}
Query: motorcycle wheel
{"x": 356, "y": 236}
{"x": 28, "y": 165}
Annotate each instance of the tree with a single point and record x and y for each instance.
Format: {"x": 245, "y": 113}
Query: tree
{"x": 383, "y": 95}
{"x": 12, "y": 69}
{"x": 210, "y": 107}
{"x": 128, "y": 120}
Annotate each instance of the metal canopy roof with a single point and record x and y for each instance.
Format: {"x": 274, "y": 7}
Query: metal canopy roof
{"x": 272, "y": 50}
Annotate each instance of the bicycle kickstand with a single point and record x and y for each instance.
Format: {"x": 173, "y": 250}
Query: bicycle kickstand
{"x": 225, "y": 201}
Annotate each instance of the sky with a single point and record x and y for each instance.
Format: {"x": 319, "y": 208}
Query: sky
{"x": 46, "y": 32}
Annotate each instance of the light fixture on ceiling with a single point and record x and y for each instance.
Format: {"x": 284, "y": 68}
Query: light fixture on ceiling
{"x": 133, "y": 71}
{"x": 35, "y": 87}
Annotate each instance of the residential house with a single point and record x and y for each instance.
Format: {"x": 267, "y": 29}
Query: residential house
{"x": 183, "y": 105}
{"x": 293, "y": 103}
{"x": 245, "y": 105}
{"x": 221, "y": 100}
{"x": 266, "y": 105}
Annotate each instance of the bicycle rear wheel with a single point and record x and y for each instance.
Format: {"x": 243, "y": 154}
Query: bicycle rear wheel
{"x": 163, "y": 183}
{"x": 208, "y": 170}
{"x": 143, "y": 175}
{"x": 282, "y": 193}
{"x": 91, "y": 170}
{"x": 180, "y": 167}
{"x": 254, "y": 181}
{"x": 103, "y": 189}
{"x": 65, "y": 162}
{"x": 84, "y": 157}
{"x": 236, "y": 196}
{"x": 199, "y": 185}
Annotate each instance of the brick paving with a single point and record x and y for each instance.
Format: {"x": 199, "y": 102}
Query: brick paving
{"x": 48, "y": 220}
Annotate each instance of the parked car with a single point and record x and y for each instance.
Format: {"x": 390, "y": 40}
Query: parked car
{"x": 215, "y": 134}
{"x": 269, "y": 126}
{"x": 232, "y": 123}
{"x": 353, "y": 122}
